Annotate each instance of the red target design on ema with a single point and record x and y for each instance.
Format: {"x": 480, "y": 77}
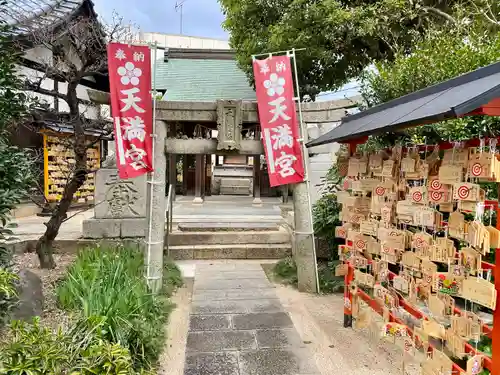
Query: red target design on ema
{"x": 436, "y": 185}
{"x": 346, "y": 184}
{"x": 417, "y": 196}
{"x": 408, "y": 345}
{"x": 360, "y": 244}
{"x": 436, "y": 196}
{"x": 380, "y": 190}
{"x": 463, "y": 192}
{"x": 419, "y": 242}
{"x": 476, "y": 169}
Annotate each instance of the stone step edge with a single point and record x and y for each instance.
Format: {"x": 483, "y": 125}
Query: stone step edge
{"x": 235, "y": 246}
{"x": 220, "y": 230}
{"x": 239, "y": 251}
{"x": 280, "y": 230}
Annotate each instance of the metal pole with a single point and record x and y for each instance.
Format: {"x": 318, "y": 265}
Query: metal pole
{"x": 152, "y": 173}
{"x": 182, "y": 6}
{"x": 305, "y": 158}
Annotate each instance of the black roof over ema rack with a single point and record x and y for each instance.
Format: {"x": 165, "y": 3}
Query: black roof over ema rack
{"x": 450, "y": 99}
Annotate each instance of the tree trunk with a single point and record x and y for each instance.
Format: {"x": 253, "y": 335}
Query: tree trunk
{"x": 44, "y": 244}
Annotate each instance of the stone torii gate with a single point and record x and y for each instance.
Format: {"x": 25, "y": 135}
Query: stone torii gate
{"x": 230, "y": 118}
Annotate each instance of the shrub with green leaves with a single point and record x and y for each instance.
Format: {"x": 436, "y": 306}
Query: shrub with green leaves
{"x": 108, "y": 285}
{"x": 7, "y": 292}
{"x": 35, "y": 350}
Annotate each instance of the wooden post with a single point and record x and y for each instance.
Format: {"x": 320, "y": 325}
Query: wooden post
{"x": 348, "y": 278}
{"x": 199, "y": 174}
{"x": 495, "y": 335}
{"x": 172, "y": 165}
{"x": 256, "y": 180}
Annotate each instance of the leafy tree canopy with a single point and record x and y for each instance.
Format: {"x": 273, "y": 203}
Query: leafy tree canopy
{"x": 15, "y": 164}
{"x": 341, "y": 37}
{"x": 438, "y": 57}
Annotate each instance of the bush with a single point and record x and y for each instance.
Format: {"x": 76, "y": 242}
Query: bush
{"x": 36, "y": 350}
{"x": 108, "y": 287}
{"x": 285, "y": 272}
{"x": 7, "y": 292}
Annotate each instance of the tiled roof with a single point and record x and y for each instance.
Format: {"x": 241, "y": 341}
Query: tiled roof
{"x": 30, "y": 15}
{"x": 202, "y": 80}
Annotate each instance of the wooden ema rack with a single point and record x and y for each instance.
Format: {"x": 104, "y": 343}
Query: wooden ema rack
{"x": 491, "y": 363}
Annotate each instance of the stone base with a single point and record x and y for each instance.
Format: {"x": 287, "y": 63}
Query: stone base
{"x": 198, "y": 200}
{"x": 114, "y": 228}
{"x": 257, "y": 202}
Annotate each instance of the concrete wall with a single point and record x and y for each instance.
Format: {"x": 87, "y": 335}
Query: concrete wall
{"x": 183, "y": 41}
{"x": 321, "y": 158}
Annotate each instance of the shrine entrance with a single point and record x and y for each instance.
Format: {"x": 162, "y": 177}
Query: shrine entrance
{"x": 221, "y": 157}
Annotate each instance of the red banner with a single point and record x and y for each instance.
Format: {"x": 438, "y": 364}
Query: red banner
{"x": 278, "y": 120}
{"x": 131, "y": 108}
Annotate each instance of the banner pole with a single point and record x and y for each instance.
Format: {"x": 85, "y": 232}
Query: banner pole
{"x": 305, "y": 159}
{"x": 152, "y": 175}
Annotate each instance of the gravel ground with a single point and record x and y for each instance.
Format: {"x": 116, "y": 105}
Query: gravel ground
{"x": 338, "y": 350}
{"x": 51, "y": 316}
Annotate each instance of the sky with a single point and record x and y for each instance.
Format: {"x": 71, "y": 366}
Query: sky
{"x": 200, "y": 17}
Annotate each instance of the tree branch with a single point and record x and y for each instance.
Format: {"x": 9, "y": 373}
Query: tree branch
{"x": 440, "y": 13}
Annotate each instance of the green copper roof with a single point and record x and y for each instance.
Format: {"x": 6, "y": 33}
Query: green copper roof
{"x": 202, "y": 80}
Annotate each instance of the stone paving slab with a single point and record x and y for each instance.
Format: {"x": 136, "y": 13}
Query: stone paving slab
{"x": 278, "y": 339}
{"x": 234, "y": 294}
{"x": 223, "y": 363}
{"x": 209, "y": 322}
{"x": 276, "y": 362}
{"x": 262, "y": 321}
{"x": 231, "y": 275}
{"x": 233, "y": 284}
{"x": 215, "y": 341}
{"x": 236, "y": 306}
{"x": 239, "y": 327}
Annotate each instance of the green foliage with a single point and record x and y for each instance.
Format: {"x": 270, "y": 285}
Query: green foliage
{"x": 326, "y": 216}
{"x": 326, "y": 212}
{"x": 107, "y": 285}
{"x": 328, "y": 282}
{"x": 35, "y": 350}
{"x": 8, "y": 292}
{"x": 16, "y": 166}
{"x": 341, "y": 37}
{"x": 438, "y": 57}
{"x": 285, "y": 271}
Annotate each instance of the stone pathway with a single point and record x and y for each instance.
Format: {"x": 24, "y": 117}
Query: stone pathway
{"x": 239, "y": 327}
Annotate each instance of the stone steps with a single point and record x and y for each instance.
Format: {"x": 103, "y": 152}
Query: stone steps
{"x": 232, "y": 251}
{"x": 228, "y": 238}
{"x": 227, "y": 227}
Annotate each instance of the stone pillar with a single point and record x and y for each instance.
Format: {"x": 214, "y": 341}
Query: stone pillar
{"x": 156, "y": 221}
{"x": 256, "y": 180}
{"x": 284, "y": 192}
{"x": 198, "y": 192}
{"x": 304, "y": 251}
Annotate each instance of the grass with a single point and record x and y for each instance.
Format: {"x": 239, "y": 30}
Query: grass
{"x": 285, "y": 272}
{"x": 106, "y": 286}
